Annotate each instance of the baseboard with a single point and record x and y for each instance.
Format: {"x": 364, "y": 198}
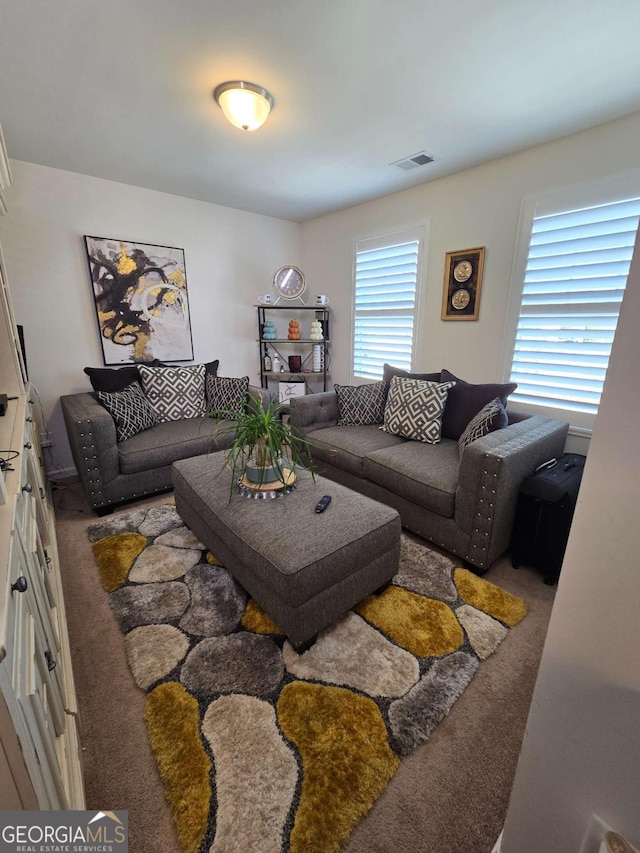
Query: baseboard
{"x": 498, "y": 846}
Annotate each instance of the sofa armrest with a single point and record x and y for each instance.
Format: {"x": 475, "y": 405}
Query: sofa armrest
{"x": 92, "y": 436}
{"x": 491, "y": 472}
{"x": 313, "y": 411}
{"x": 263, "y": 396}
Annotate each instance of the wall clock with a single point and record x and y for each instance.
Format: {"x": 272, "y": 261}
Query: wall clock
{"x": 289, "y": 282}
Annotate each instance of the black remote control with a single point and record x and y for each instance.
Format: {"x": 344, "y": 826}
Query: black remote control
{"x": 323, "y": 503}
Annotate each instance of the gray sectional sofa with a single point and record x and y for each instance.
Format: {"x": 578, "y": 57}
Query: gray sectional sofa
{"x": 464, "y": 502}
{"x": 113, "y": 471}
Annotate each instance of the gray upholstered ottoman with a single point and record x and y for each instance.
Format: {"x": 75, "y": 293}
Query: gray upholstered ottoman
{"x": 305, "y": 569}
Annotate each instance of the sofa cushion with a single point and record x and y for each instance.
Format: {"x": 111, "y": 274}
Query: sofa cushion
{"x": 129, "y": 409}
{"x": 175, "y": 393}
{"x": 491, "y": 417}
{"x": 388, "y": 372}
{"x": 425, "y": 474}
{"x": 465, "y": 400}
{"x": 414, "y": 408}
{"x": 227, "y": 395}
{"x": 167, "y": 442}
{"x": 346, "y": 447}
{"x": 360, "y": 405}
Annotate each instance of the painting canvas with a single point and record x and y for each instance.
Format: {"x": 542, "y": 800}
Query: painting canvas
{"x": 140, "y": 294}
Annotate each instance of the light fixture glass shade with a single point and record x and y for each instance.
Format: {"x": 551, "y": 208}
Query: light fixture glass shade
{"x": 245, "y": 105}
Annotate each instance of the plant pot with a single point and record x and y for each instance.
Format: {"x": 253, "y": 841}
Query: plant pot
{"x": 261, "y": 473}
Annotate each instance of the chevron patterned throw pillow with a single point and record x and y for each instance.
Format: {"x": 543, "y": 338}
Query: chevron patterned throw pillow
{"x": 175, "y": 393}
{"x": 414, "y": 409}
{"x": 361, "y": 404}
{"x": 227, "y": 395}
{"x": 491, "y": 417}
{"x": 129, "y": 409}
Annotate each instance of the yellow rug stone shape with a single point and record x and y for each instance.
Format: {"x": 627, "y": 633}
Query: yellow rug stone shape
{"x": 115, "y": 555}
{"x": 346, "y": 761}
{"x": 490, "y": 598}
{"x": 423, "y": 626}
{"x": 257, "y": 621}
{"x": 173, "y": 720}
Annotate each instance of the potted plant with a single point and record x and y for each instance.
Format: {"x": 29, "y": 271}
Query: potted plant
{"x": 263, "y": 449}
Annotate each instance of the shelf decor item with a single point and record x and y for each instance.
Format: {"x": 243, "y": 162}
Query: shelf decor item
{"x": 294, "y": 330}
{"x": 462, "y": 283}
{"x": 318, "y": 358}
{"x": 289, "y": 283}
{"x": 269, "y": 330}
{"x": 264, "y": 451}
{"x": 316, "y": 331}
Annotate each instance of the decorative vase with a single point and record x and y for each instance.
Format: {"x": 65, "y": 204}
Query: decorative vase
{"x": 269, "y": 331}
{"x": 261, "y": 474}
{"x": 316, "y": 331}
{"x": 294, "y": 330}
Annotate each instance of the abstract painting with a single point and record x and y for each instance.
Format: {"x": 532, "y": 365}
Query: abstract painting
{"x": 140, "y": 294}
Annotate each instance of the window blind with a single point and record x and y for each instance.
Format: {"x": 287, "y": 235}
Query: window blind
{"x": 385, "y": 300}
{"x": 576, "y": 273}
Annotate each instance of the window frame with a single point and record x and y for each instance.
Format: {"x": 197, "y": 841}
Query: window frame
{"x": 559, "y": 200}
{"x": 417, "y": 232}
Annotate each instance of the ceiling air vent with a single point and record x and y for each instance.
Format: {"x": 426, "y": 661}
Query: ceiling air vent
{"x": 408, "y": 163}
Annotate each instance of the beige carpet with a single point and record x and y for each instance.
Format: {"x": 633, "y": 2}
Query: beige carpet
{"x": 450, "y": 794}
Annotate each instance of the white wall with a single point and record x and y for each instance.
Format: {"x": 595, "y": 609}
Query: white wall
{"x": 581, "y": 751}
{"x": 477, "y": 207}
{"x": 230, "y": 257}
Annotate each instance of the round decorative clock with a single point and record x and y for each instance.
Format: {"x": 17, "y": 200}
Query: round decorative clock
{"x": 461, "y": 299}
{"x": 288, "y": 282}
{"x": 462, "y": 271}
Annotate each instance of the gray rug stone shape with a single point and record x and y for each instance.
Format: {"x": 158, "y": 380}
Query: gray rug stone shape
{"x": 239, "y": 663}
{"x": 425, "y": 572}
{"x": 217, "y": 601}
{"x": 159, "y": 520}
{"x": 181, "y": 537}
{"x": 149, "y": 604}
{"x": 116, "y": 524}
{"x": 415, "y": 716}
{"x": 162, "y": 563}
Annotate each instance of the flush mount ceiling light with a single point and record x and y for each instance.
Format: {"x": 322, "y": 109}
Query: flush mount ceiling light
{"x": 245, "y": 105}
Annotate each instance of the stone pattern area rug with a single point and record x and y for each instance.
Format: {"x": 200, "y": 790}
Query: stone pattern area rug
{"x": 262, "y": 750}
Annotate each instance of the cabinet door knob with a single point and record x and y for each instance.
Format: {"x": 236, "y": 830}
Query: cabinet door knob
{"x": 20, "y": 585}
{"x": 28, "y": 446}
{"x": 27, "y": 487}
{"x": 51, "y": 664}
{"x": 29, "y": 420}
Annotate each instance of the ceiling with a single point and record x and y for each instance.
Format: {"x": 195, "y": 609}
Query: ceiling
{"x": 122, "y": 90}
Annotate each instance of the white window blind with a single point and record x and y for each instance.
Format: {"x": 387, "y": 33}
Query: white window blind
{"x": 385, "y": 302}
{"x": 575, "y": 277}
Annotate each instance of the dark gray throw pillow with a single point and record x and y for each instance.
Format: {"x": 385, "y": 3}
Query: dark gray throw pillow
{"x": 112, "y": 379}
{"x": 465, "y": 401}
{"x": 388, "y": 372}
{"x": 359, "y": 405}
{"x": 116, "y": 378}
{"x": 129, "y": 409}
